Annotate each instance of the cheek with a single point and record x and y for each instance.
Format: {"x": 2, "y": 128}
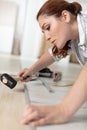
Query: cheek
{"x": 56, "y": 29}
{"x": 59, "y": 31}
{"x": 59, "y": 34}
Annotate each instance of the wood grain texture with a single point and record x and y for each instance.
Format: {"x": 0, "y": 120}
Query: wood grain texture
{"x": 12, "y": 102}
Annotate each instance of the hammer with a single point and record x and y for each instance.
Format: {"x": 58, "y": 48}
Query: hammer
{"x": 10, "y": 81}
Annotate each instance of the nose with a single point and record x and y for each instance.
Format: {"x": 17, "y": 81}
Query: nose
{"x": 47, "y": 36}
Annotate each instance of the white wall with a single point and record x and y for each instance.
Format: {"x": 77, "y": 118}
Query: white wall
{"x": 8, "y": 12}
{"x": 13, "y": 18}
{"x": 27, "y": 29}
{"x": 32, "y": 34}
{"x": 20, "y": 14}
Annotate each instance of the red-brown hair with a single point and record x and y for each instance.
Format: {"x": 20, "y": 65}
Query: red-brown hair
{"x": 55, "y": 7}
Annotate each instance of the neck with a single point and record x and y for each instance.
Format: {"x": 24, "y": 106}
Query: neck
{"x": 75, "y": 32}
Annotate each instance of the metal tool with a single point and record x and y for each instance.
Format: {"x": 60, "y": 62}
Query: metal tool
{"x": 46, "y": 72}
{"x": 46, "y": 85}
{"x": 10, "y": 81}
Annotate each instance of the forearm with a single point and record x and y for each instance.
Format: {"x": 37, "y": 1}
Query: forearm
{"x": 77, "y": 94}
{"x": 43, "y": 62}
{"x": 61, "y": 113}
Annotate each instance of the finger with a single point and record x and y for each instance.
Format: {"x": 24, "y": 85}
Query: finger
{"x": 21, "y": 74}
{"x": 30, "y": 117}
{"x": 28, "y": 110}
{"x": 45, "y": 120}
{"x": 24, "y": 79}
{"x": 40, "y": 122}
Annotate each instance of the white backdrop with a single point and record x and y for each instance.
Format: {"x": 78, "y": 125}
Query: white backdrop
{"x": 27, "y": 30}
{"x": 8, "y": 13}
{"x": 32, "y": 35}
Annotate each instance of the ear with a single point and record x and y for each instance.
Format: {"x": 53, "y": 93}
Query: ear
{"x": 66, "y": 16}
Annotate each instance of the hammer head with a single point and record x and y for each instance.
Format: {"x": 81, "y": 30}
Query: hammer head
{"x": 8, "y": 80}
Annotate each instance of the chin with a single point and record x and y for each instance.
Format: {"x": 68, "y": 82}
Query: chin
{"x": 59, "y": 47}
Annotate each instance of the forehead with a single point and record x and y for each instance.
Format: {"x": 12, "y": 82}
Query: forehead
{"x": 45, "y": 19}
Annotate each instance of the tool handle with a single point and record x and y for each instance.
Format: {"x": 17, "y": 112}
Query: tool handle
{"x": 20, "y": 78}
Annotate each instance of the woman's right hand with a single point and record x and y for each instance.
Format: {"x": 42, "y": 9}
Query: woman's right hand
{"x": 25, "y": 75}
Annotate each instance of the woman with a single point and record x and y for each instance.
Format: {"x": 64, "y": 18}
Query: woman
{"x": 65, "y": 27}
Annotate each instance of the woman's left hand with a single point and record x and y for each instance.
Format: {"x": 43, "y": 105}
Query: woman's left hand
{"x": 43, "y": 115}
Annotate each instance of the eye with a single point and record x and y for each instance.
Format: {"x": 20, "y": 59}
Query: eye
{"x": 45, "y": 28}
{"x": 48, "y": 28}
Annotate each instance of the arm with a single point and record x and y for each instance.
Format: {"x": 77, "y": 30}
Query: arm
{"x": 63, "y": 112}
{"x": 44, "y": 61}
{"x": 78, "y": 93}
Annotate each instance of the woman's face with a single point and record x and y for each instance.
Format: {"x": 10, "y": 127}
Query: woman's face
{"x": 56, "y": 30}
